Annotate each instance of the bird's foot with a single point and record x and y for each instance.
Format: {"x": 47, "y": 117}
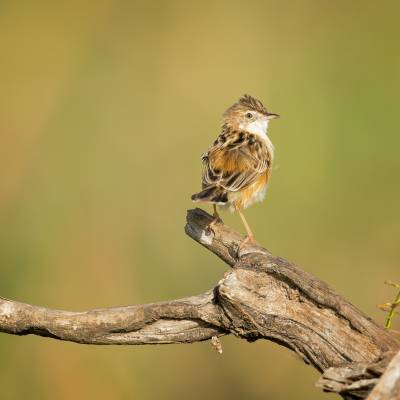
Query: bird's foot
{"x": 215, "y": 221}
{"x": 248, "y": 241}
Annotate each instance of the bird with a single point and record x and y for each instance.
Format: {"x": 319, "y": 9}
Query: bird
{"x": 238, "y": 165}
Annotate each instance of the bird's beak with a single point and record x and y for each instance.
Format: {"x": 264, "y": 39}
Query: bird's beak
{"x": 272, "y": 116}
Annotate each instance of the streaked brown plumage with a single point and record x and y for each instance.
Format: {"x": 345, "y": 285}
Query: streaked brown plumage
{"x": 237, "y": 167}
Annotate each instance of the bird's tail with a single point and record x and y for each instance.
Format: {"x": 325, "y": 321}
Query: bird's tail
{"x": 212, "y": 194}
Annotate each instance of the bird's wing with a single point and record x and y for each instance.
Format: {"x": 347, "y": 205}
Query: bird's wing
{"x": 235, "y": 162}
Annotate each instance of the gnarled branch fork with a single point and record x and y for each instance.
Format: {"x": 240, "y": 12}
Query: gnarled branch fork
{"x": 261, "y": 297}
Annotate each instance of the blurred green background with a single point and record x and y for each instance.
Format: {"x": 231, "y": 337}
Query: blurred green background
{"x": 105, "y": 109}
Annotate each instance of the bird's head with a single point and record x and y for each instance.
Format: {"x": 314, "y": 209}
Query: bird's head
{"x": 248, "y": 114}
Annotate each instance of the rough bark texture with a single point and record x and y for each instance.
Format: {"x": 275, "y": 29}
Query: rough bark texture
{"x": 261, "y": 297}
{"x": 178, "y": 321}
{"x": 388, "y": 386}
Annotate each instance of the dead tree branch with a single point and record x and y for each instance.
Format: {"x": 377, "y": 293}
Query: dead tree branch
{"x": 178, "y": 321}
{"x": 261, "y": 297}
{"x": 388, "y": 386}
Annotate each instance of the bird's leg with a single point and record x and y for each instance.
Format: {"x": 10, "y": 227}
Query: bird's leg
{"x": 250, "y": 236}
{"x": 216, "y": 216}
{"x": 216, "y": 219}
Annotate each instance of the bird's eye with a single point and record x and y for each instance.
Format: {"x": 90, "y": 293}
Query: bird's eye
{"x": 249, "y": 115}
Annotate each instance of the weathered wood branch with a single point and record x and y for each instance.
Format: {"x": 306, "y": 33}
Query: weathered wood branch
{"x": 267, "y": 297}
{"x": 261, "y": 297}
{"x": 178, "y": 321}
{"x": 388, "y": 386}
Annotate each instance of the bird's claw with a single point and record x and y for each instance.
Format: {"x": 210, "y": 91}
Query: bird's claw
{"x": 248, "y": 241}
{"x": 215, "y": 221}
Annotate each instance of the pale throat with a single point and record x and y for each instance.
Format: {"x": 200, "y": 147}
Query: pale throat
{"x": 257, "y": 127}
{"x": 260, "y": 128}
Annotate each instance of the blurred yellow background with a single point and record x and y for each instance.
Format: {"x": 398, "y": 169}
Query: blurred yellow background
{"x": 105, "y": 109}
